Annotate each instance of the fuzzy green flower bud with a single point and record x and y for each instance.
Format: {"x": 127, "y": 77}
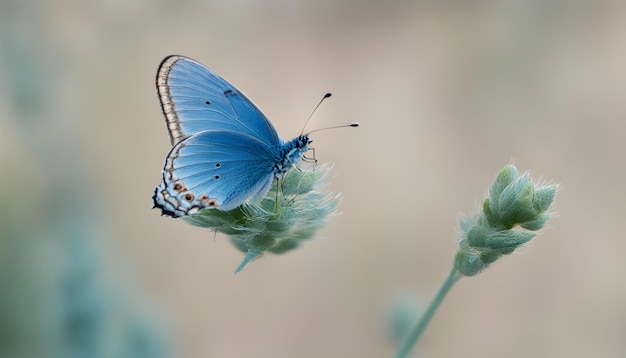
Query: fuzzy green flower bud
{"x": 508, "y": 239}
{"x": 514, "y": 200}
{"x": 468, "y": 262}
{"x": 291, "y": 212}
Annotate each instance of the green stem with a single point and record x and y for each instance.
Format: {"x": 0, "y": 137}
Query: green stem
{"x": 415, "y": 334}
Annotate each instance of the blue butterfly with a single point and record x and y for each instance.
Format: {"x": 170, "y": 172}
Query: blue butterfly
{"x": 225, "y": 151}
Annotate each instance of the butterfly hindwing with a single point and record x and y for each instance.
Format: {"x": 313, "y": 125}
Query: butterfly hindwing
{"x": 219, "y": 169}
{"x": 195, "y": 99}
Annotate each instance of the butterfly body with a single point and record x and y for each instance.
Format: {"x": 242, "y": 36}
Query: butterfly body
{"x": 225, "y": 151}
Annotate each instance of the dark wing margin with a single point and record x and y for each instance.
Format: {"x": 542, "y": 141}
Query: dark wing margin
{"x": 167, "y": 105}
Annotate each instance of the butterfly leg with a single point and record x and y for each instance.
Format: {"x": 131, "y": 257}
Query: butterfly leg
{"x": 308, "y": 159}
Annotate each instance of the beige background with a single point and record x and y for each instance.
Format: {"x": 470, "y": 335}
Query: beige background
{"x": 446, "y": 93}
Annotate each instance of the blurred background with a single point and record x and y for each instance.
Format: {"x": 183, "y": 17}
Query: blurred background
{"x": 446, "y": 92}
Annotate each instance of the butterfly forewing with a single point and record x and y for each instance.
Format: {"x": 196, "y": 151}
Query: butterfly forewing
{"x": 195, "y": 99}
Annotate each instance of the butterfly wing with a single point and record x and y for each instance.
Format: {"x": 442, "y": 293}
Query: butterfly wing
{"x": 195, "y": 99}
{"x": 218, "y": 169}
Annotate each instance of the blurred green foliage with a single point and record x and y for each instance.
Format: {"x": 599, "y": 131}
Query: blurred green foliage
{"x": 58, "y": 296}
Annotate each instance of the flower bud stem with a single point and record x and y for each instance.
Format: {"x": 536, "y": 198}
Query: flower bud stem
{"x": 415, "y": 334}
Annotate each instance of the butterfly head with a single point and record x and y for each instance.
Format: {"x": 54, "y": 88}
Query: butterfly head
{"x": 296, "y": 148}
{"x": 303, "y": 141}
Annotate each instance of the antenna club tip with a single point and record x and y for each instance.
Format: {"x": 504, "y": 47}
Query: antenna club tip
{"x": 354, "y": 124}
{"x": 328, "y": 95}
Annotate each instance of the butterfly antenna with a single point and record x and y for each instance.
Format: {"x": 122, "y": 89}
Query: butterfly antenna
{"x": 353, "y": 124}
{"x": 314, "y": 109}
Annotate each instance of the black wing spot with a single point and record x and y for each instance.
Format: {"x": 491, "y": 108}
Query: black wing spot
{"x": 227, "y": 92}
{"x": 207, "y": 102}
{"x": 217, "y": 165}
{"x": 217, "y": 177}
